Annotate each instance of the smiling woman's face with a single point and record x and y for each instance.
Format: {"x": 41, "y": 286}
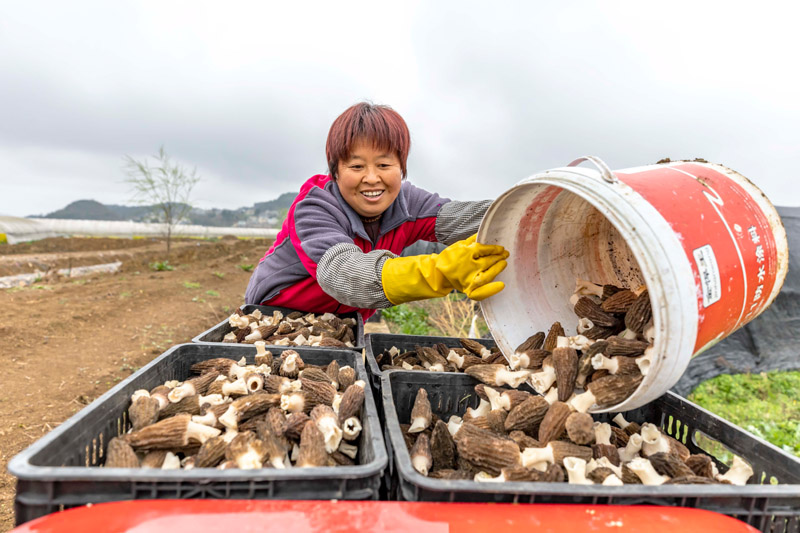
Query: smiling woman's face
{"x": 370, "y": 179}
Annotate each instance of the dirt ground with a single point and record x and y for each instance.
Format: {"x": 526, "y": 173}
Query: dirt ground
{"x": 67, "y": 341}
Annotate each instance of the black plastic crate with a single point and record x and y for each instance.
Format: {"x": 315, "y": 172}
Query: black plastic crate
{"x": 58, "y": 471}
{"x": 215, "y": 334}
{"x": 376, "y": 343}
{"x": 770, "y": 508}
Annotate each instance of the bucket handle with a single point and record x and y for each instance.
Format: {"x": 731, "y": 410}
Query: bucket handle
{"x": 605, "y": 172}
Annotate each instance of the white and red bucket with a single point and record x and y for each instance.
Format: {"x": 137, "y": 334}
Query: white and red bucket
{"x": 708, "y": 244}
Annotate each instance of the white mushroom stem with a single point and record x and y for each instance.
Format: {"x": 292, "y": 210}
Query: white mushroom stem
{"x": 552, "y": 395}
{"x": 620, "y": 421}
{"x": 393, "y": 351}
{"x": 612, "y": 480}
{"x": 631, "y": 450}
{"x": 602, "y": 433}
{"x": 739, "y": 472}
{"x": 456, "y": 359}
{"x": 483, "y": 409}
{"x": 351, "y": 428}
{"x": 418, "y": 423}
{"x": 237, "y": 372}
{"x": 483, "y": 477}
{"x": 649, "y": 332}
{"x": 290, "y": 363}
{"x": 541, "y": 466}
{"x": 171, "y": 384}
{"x": 293, "y": 403}
{"x": 531, "y": 456}
{"x": 603, "y": 462}
{"x": 644, "y": 361}
{"x": 200, "y": 432}
{"x": 238, "y": 322}
{"x": 249, "y": 460}
{"x": 230, "y": 337}
{"x": 576, "y": 471}
{"x": 486, "y": 353}
{"x": 512, "y": 378}
{"x": 171, "y": 462}
{"x": 237, "y": 387}
{"x": 579, "y": 342}
{"x": 652, "y": 440}
{"x": 294, "y": 453}
{"x": 407, "y": 366}
{"x": 584, "y": 324}
{"x": 331, "y": 432}
{"x": 601, "y": 362}
{"x": 628, "y": 334}
{"x": 583, "y": 402}
{"x": 350, "y": 450}
{"x": 263, "y": 369}
{"x": 229, "y": 435}
{"x": 230, "y": 418}
{"x": 283, "y": 342}
{"x": 585, "y": 288}
{"x": 454, "y": 424}
{"x": 643, "y": 468}
{"x": 337, "y": 401}
{"x": 211, "y": 399}
{"x": 519, "y": 360}
{"x": 207, "y": 419}
{"x": 496, "y": 400}
{"x": 542, "y": 381}
{"x": 420, "y": 464}
{"x": 438, "y": 367}
{"x": 260, "y": 348}
{"x": 141, "y": 393}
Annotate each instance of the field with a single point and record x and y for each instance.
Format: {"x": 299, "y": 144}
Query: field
{"x": 67, "y": 341}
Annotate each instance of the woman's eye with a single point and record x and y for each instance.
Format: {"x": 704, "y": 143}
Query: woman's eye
{"x": 356, "y": 167}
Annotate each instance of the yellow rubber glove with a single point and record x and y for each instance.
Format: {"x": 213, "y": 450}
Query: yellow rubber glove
{"x": 466, "y": 266}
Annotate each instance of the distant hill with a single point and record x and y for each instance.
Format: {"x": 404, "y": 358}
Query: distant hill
{"x": 284, "y": 201}
{"x": 261, "y": 215}
{"x": 85, "y": 210}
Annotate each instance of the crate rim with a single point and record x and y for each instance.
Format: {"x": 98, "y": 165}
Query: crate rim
{"x": 359, "y": 325}
{"x": 566, "y": 489}
{"x": 20, "y": 466}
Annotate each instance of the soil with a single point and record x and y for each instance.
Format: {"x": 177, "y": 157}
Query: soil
{"x": 67, "y": 341}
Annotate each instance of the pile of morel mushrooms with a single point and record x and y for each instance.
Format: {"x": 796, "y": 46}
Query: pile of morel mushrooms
{"x": 514, "y": 435}
{"x": 294, "y": 329}
{"x": 442, "y": 358}
{"x": 277, "y": 413}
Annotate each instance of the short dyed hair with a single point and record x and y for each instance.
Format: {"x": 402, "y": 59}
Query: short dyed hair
{"x": 377, "y": 123}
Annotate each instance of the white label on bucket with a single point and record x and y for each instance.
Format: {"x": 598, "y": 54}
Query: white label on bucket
{"x": 709, "y": 274}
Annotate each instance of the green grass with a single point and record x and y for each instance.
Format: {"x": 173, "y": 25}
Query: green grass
{"x": 766, "y": 404}
{"x": 220, "y": 275}
{"x": 409, "y": 319}
{"x": 191, "y": 285}
{"x": 247, "y": 267}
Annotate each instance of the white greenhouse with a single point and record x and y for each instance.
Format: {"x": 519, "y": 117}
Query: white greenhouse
{"x": 14, "y": 229}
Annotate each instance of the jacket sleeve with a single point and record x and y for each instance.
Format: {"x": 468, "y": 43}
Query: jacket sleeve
{"x": 456, "y": 221}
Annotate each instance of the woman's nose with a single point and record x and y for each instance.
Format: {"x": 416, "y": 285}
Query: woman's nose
{"x": 371, "y": 174}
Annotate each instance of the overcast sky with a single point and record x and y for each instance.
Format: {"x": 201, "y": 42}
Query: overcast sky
{"x": 246, "y": 91}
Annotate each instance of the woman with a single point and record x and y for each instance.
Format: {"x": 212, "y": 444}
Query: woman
{"x": 339, "y": 245}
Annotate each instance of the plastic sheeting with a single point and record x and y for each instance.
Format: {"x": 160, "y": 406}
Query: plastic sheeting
{"x": 30, "y": 229}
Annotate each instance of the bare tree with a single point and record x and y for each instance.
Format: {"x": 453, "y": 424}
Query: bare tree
{"x": 165, "y": 185}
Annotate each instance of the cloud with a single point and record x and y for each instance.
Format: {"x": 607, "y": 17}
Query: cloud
{"x": 247, "y": 91}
